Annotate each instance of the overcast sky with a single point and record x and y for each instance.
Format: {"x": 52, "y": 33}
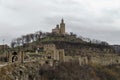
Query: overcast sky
{"x": 96, "y": 19}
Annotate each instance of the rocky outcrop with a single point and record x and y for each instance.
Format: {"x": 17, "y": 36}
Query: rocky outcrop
{"x": 21, "y": 71}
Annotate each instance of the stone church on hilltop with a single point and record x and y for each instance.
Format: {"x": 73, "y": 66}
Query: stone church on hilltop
{"x": 60, "y": 29}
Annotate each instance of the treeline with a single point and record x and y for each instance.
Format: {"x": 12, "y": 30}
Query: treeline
{"x": 28, "y": 38}
{"x": 37, "y": 36}
{"x": 94, "y": 41}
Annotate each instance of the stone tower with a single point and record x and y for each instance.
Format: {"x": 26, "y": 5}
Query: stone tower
{"x": 62, "y": 27}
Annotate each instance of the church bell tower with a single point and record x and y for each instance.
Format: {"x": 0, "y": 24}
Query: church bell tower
{"x": 62, "y": 27}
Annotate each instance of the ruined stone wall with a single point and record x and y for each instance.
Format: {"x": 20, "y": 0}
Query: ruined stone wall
{"x": 82, "y": 60}
{"x": 19, "y": 56}
{"x": 106, "y": 60}
{"x": 49, "y": 47}
{"x": 61, "y": 55}
{"x": 55, "y": 54}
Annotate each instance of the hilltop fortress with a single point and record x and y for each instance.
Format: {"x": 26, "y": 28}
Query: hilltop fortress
{"x": 50, "y": 54}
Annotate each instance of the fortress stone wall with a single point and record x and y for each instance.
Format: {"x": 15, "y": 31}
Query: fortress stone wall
{"x": 15, "y": 57}
{"x": 105, "y": 59}
{"x": 51, "y": 55}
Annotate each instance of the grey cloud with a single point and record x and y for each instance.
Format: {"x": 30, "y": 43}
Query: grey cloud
{"x": 26, "y": 16}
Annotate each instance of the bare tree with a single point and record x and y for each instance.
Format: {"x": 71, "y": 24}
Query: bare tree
{"x": 13, "y": 43}
{"x": 32, "y": 37}
{"x": 38, "y": 35}
{"x": 27, "y": 39}
{"x": 18, "y": 41}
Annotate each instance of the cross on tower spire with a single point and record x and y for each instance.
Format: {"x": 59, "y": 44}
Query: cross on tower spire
{"x": 62, "y": 21}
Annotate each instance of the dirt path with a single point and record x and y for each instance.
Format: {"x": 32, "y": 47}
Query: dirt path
{"x": 2, "y": 65}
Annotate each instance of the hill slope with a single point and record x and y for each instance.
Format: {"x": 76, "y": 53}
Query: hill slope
{"x": 64, "y": 71}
